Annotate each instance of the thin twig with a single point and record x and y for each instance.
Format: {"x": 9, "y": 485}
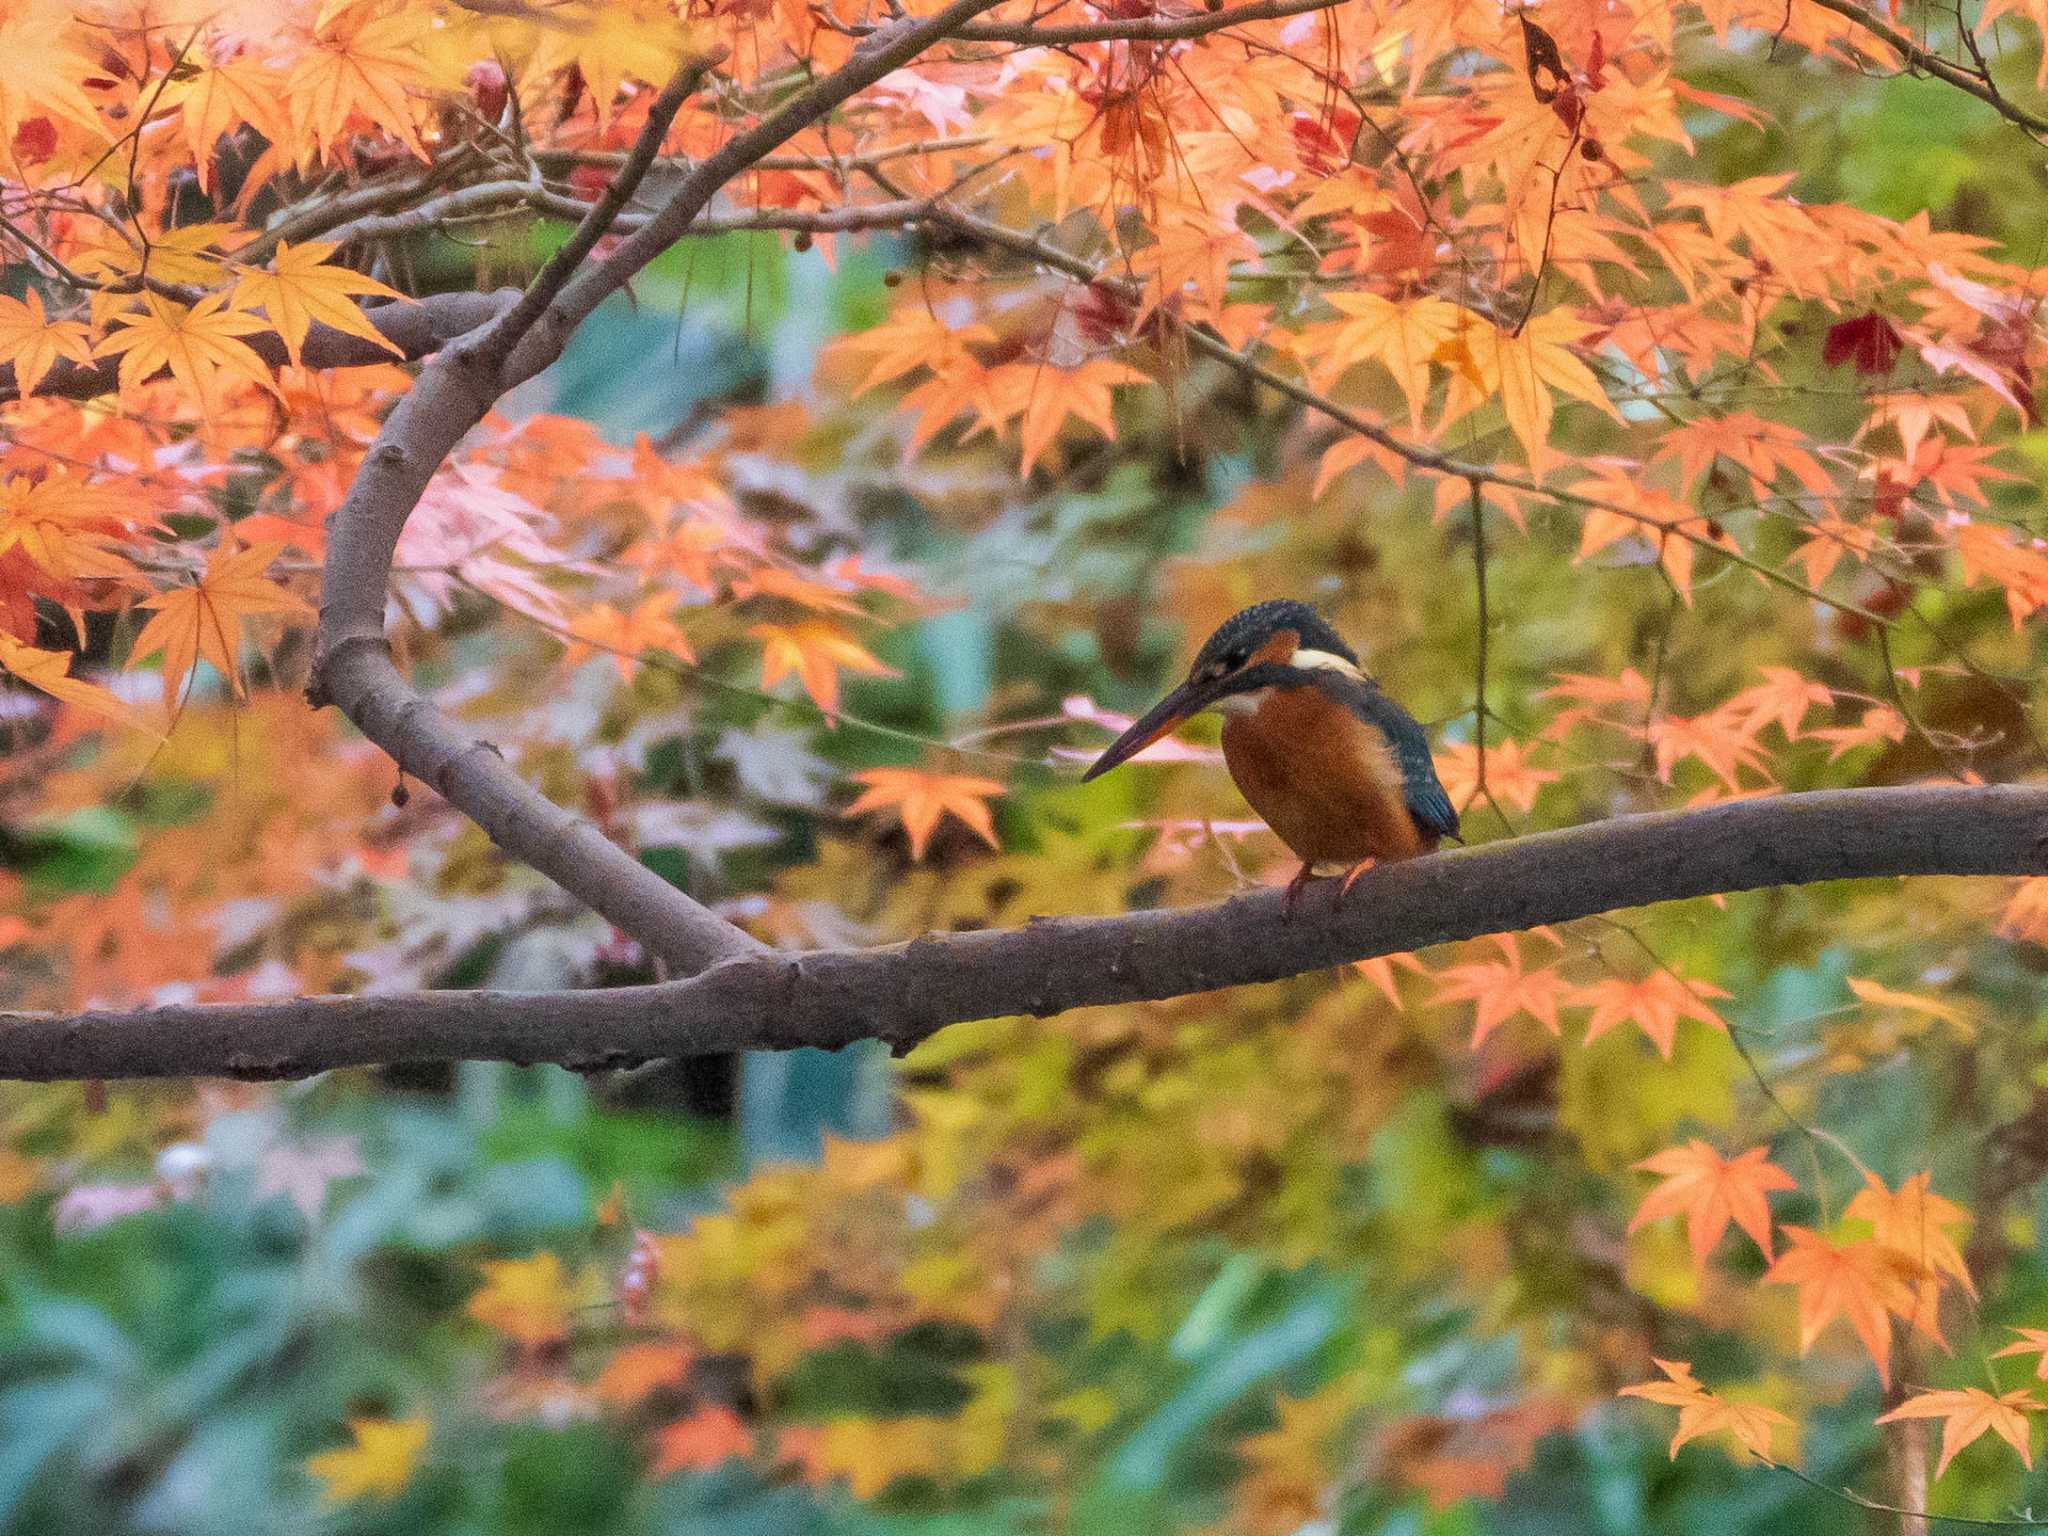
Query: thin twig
{"x": 491, "y": 352}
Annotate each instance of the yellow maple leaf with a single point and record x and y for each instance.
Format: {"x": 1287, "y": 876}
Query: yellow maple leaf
{"x": 1879, "y": 996}
{"x": 300, "y": 288}
{"x": 1525, "y": 370}
{"x": 216, "y": 98}
{"x": 1401, "y": 337}
{"x": 41, "y": 65}
{"x": 197, "y": 344}
{"x": 813, "y": 652}
{"x": 32, "y": 341}
{"x": 50, "y": 671}
{"x": 869, "y": 1454}
{"x": 1702, "y": 1413}
{"x": 921, "y": 799}
{"x": 356, "y": 65}
{"x": 71, "y": 528}
{"x": 528, "y": 1300}
{"x": 1966, "y": 1414}
{"x": 378, "y": 1464}
{"x": 204, "y": 620}
{"x": 191, "y": 253}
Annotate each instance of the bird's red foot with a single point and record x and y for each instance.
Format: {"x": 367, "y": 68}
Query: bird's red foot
{"x": 1294, "y": 889}
{"x": 1351, "y": 877}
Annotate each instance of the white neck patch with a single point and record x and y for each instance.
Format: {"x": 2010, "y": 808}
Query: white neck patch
{"x": 1328, "y": 660}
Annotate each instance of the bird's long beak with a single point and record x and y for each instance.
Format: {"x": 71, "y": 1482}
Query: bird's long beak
{"x": 1187, "y": 700}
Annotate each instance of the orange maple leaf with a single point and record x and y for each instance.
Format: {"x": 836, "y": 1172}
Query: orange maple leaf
{"x": 197, "y": 344}
{"x": 1702, "y": 1413}
{"x": 814, "y": 652}
{"x": 300, "y": 289}
{"x": 624, "y": 637}
{"x": 2031, "y": 1341}
{"x": 795, "y": 587}
{"x": 1654, "y": 1005}
{"x": 1710, "y": 1191}
{"x": 1857, "y": 1280}
{"x": 1510, "y": 777}
{"x": 1966, "y": 1413}
{"x": 1911, "y": 1222}
{"x": 1881, "y": 723}
{"x": 703, "y": 1440}
{"x": 1782, "y": 699}
{"x": 1669, "y": 526}
{"x": 914, "y": 338}
{"x": 1525, "y": 369}
{"x": 1719, "y": 739}
{"x": 1989, "y": 553}
{"x": 1380, "y": 972}
{"x": 921, "y": 798}
{"x": 638, "y": 1371}
{"x": 204, "y": 620}
{"x": 32, "y": 341}
{"x": 1041, "y": 398}
{"x": 2026, "y": 913}
{"x": 1500, "y": 989}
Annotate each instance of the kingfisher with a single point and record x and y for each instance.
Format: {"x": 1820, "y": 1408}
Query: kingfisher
{"x": 1339, "y": 771}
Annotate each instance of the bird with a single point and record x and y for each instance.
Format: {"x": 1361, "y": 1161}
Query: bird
{"x": 1339, "y": 771}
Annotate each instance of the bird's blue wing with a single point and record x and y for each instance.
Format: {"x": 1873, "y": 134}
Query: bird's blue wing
{"x": 1424, "y": 792}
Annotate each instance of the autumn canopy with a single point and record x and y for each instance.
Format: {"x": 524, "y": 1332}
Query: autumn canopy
{"x": 601, "y": 535}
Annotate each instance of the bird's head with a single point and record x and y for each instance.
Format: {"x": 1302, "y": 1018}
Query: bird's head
{"x": 1275, "y": 644}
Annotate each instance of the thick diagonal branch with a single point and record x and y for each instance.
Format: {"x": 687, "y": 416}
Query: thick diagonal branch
{"x": 905, "y": 992}
{"x": 352, "y": 665}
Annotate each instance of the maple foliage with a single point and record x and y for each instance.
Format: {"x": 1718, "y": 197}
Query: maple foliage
{"x": 922, "y": 799}
{"x": 378, "y": 1464}
{"x": 1662, "y": 434}
{"x": 1701, "y": 1413}
{"x": 1710, "y": 1191}
{"x": 1966, "y": 1414}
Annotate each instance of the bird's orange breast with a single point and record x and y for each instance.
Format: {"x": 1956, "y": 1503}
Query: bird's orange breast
{"x": 1324, "y": 780}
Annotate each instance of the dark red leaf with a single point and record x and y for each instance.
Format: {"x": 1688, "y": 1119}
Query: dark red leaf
{"x": 1867, "y": 340}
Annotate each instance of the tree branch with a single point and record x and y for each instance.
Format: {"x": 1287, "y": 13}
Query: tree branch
{"x": 1929, "y": 62}
{"x": 877, "y": 56}
{"x": 352, "y": 666}
{"x": 904, "y": 993}
{"x": 1141, "y": 29}
{"x": 415, "y": 329}
{"x": 507, "y": 329}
